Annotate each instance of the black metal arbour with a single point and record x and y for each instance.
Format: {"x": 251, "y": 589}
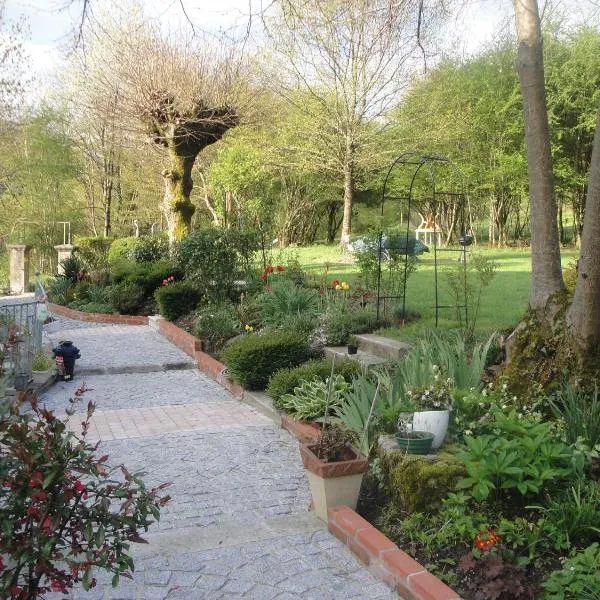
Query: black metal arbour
{"x": 455, "y": 199}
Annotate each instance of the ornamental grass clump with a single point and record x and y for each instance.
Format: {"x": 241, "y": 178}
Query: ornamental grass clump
{"x": 63, "y": 510}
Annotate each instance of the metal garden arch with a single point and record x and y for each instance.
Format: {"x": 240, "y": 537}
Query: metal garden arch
{"x": 417, "y": 180}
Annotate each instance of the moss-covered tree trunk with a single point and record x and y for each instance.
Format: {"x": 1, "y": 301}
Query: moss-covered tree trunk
{"x": 177, "y": 206}
{"x": 584, "y": 314}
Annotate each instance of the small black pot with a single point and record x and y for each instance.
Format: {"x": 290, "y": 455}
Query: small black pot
{"x": 352, "y": 349}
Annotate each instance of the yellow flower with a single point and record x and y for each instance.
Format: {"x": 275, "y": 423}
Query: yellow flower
{"x": 345, "y": 286}
{"x": 249, "y": 328}
{"x": 338, "y": 287}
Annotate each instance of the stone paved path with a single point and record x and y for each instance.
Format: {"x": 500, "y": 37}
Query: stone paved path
{"x": 237, "y": 525}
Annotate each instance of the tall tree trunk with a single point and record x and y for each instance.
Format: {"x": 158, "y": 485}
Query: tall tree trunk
{"x": 348, "y": 194}
{"x": 584, "y": 314}
{"x": 177, "y": 207}
{"x": 545, "y": 249}
{"x": 107, "y": 186}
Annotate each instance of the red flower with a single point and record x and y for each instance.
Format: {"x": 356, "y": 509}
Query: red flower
{"x": 58, "y": 586}
{"x": 280, "y": 268}
{"x": 270, "y": 269}
{"x": 263, "y": 276}
{"x": 36, "y": 480}
{"x": 34, "y": 511}
{"x": 486, "y": 539}
{"x": 335, "y": 282}
{"x": 47, "y": 524}
{"x": 79, "y": 487}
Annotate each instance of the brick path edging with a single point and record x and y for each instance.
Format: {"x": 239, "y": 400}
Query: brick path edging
{"x": 206, "y": 363}
{"x": 78, "y": 315}
{"x": 384, "y": 559}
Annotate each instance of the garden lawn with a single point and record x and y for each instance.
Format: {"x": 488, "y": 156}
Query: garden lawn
{"x": 503, "y": 302}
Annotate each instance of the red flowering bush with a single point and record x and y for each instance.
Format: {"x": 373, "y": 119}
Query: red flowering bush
{"x": 168, "y": 280}
{"x": 63, "y": 511}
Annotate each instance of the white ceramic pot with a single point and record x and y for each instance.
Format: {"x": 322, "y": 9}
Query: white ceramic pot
{"x": 434, "y": 421}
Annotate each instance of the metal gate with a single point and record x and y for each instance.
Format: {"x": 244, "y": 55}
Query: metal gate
{"x": 20, "y": 340}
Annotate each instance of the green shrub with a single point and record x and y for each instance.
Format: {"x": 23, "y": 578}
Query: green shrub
{"x": 127, "y": 297}
{"x": 580, "y": 413}
{"x": 92, "y": 251}
{"x": 254, "y": 358}
{"x": 96, "y": 307}
{"x": 80, "y": 290}
{"x": 71, "y": 267}
{"x": 150, "y": 276}
{"x": 177, "y": 299}
{"x": 98, "y": 294}
{"x": 120, "y": 249}
{"x": 285, "y": 380}
{"x": 59, "y": 290}
{"x": 216, "y": 325}
{"x": 579, "y": 579}
{"x": 41, "y": 362}
{"x": 215, "y": 258}
{"x": 420, "y": 484}
{"x": 340, "y": 325}
{"x": 311, "y": 398}
{"x": 122, "y": 269}
{"x": 522, "y": 456}
{"x": 149, "y": 248}
{"x": 285, "y": 300}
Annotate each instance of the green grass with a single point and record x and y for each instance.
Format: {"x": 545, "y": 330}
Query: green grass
{"x": 503, "y": 302}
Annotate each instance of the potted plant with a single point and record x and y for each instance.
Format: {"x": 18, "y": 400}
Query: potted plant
{"x": 411, "y": 440}
{"x": 41, "y": 368}
{"x": 334, "y": 469}
{"x": 352, "y": 345}
{"x": 433, "y": 404}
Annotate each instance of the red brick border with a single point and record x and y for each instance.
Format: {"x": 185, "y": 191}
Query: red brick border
{"x": 401, "y": 572}
{"x": 207, "y": 364}
{"x": 78, "y": 315}
{"x": 305, "y": 431}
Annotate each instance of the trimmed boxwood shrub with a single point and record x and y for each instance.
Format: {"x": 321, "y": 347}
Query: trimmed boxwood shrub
{"x": 285, "y": 380}
{"x": 127, "y": 297}
{"x": 177, "y": 299}
{"x": 254, "y": 358}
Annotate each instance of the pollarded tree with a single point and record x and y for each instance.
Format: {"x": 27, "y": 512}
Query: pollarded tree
{"x": 182, "y": 93}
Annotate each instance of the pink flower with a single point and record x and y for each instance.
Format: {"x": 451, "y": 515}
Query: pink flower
{"x": 79, "y": 487}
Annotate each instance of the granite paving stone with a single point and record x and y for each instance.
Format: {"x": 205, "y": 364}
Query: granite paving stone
{"x": 237, "y": 525}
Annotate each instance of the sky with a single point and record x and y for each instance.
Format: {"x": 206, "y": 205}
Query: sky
{"x": 51, "y": 24}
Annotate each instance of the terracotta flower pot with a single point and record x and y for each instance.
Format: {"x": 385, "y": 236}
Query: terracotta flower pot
{"x": 333, "y": 483}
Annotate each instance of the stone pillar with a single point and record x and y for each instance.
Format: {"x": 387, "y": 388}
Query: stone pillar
{"x": 64, "y": 251}
{"x": 18, "y": 256}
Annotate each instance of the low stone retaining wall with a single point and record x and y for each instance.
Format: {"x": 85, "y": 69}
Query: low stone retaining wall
{"x": 78, "y": 315}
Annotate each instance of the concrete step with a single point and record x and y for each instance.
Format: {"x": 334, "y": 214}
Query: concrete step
{"x": 364, "y": 358}
{"x": 386, "y": 348}
{"x": 263, "y": 404}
